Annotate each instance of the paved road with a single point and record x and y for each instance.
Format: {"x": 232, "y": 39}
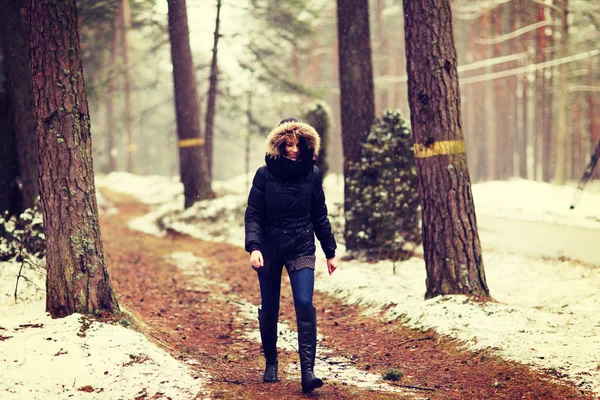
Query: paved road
{"x": 539, "y": 238}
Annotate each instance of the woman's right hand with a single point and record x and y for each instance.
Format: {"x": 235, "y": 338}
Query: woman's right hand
{"x": 256, "y": 259}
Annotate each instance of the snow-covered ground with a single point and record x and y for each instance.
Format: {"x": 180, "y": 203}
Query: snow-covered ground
{"x": 45, "y": 358}
{"x": 546, "y": 314}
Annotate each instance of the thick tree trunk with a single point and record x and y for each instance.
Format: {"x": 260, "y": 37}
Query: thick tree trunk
{"x": 212, "y": 96}
{"x": 451, "y": 243}
{"x": 77, "y": 279}
{"x": 356, "y": 90}
{"x": 192, "y": 164}
{"x": 20, "y": 99}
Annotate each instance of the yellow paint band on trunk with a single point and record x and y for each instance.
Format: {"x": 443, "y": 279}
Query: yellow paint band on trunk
{"x": 193, "y": 142}
{"x": 439, "y": 148}
{"x": 132, "y": 147}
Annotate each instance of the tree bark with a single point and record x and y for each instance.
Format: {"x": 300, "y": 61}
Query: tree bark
{"x": 451, "y": 243}
{"x": 77, "y": 278}
{"x": 192, "y": 163}
{"x": 20, "y": 99}
{"x": 356, "y": 90}
{"x": 212, "y": 96}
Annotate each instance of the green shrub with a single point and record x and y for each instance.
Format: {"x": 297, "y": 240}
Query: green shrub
{"x": 393, "y": 374}
{"x": 22, "y": 236}
{"x": 386, "y": 214}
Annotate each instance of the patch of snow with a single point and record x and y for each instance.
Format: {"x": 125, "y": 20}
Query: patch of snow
{"x": 56, "y": 361}
{"x": 43, "y": 357}
{"x": 526, "y": 200}
{"x": 152, "y": 189}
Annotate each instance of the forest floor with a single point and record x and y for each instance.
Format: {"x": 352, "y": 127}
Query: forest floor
{"x": 203, "y": 315}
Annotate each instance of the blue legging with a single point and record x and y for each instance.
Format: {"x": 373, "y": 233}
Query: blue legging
{"x": 302, "y": 281}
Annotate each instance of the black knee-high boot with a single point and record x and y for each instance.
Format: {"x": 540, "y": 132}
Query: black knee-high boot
{"x": 268, "y": 336}
{"x": 306, "y": 318}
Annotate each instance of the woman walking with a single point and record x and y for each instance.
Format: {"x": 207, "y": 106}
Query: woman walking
{"x": 286, "y": 208}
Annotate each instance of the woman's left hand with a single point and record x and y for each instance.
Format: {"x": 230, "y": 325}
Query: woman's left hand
{"x": 332, "y": 265}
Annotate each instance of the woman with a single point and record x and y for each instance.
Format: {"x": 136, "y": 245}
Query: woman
{"x": 286, "y": 208}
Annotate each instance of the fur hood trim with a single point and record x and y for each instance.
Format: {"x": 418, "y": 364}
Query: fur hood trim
{"x": 302, "y": 131}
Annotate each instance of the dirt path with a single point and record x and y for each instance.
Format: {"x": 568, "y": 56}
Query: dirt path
{"x": 204, "y": 315}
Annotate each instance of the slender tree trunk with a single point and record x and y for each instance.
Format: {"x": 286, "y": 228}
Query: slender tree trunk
{"x": 381, "y": 60}
{"x": 193, "y": 165}
{"x": 575, "y": 141}
{"x": 356, "y": 90}
{"x": 110, "y": 98}
{"x": 500, "y": 92}
{"x": 451, "y": 243}
{"x": 489, "y": 100}
{"x": 512, "y": 126}
{"x": 212, "y": 96}
{"x": 77, "y": 279}
{"x": 540, "y": 104}
{"x": 563, "y": 100}
{"x": 132, "y": 145}
{"x": 20, "y": 100}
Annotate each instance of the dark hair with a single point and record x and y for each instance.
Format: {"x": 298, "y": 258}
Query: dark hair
{"x": 285, "y": 121}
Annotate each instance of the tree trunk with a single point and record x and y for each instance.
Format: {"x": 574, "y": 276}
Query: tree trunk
{"x": 451, "y": 243}
{"x": 132, "y": 145}
{"x": 110, "y": 99}
{"x": 20, "y": 99}
{"x": 77, "y": 279}
{"x": 560, "y": 175}
{"x": 381, "y": 61}
{"x": 192, "y": 164}
{"x": 540, "y": 88}
{"x": 490, "y": 101}
{"x": 356, "y": 90}
{"x": 212, "y": 96}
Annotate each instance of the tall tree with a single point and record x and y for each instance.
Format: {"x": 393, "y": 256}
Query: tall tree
{"x": 21, "y": 121}
{"x": 356, "y": 91}
{"x": 451, "y": 243}
{"x": 110, "y": 98}
{"x": 563, "y": 99}
{"x": 212, "y": 95}
{"x": 192, "y": 164}
{"x": 77, "y": 278}
{"x": 132, "y": 145}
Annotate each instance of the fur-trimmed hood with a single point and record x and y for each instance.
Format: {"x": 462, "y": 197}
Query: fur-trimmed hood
{"x": 302, "y": 131}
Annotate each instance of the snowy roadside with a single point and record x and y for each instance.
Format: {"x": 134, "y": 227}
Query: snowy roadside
{"x": 72, "y": 357}
{"x": 547, "y": 313}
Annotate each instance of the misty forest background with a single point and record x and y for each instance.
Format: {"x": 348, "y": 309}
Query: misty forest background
{"x": 276, "y": 58}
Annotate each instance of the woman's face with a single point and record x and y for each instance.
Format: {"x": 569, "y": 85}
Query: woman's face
{"x": 292, "y": 148}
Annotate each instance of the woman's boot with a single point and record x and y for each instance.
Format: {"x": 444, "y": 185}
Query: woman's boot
{"x": 268, "y": 335}
{"x": 306, "y": 318}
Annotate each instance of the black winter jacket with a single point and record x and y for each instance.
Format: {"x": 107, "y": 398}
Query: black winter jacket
{"x": 286, "y": 206}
